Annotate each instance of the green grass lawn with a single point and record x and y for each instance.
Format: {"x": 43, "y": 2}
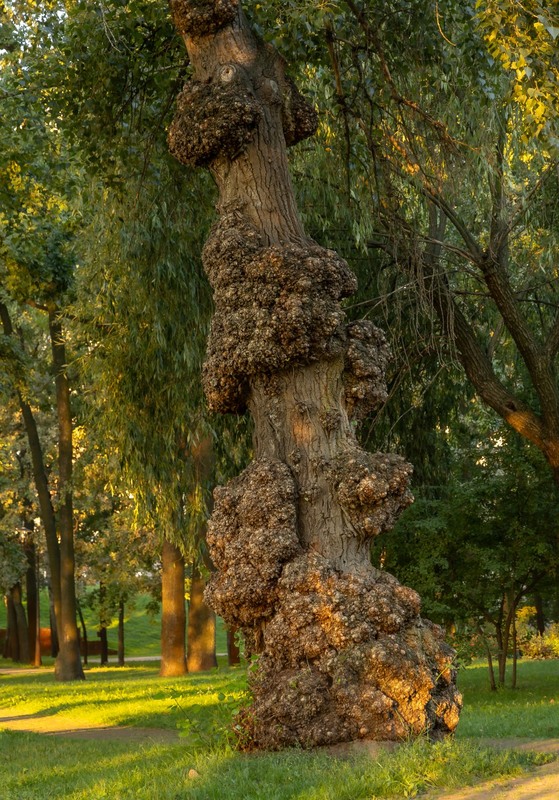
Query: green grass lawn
{"x": 39, "y": 767}
{"x": 531, "y": 710}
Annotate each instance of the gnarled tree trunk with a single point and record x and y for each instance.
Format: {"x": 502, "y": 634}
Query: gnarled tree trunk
{"x": 343, "y": 652}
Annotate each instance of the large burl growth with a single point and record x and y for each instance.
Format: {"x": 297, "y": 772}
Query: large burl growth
{"x": 342, "y": 652}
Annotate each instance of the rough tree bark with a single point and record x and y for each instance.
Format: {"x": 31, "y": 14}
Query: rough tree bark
{"x": 342, "y": 651}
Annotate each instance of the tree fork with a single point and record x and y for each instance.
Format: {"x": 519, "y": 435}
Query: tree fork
{"x": 342, "y": 651}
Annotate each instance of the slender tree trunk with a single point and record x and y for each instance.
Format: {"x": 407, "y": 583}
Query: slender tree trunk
{"x": 343, "y": 653}
{"x": 540, "y": 617}
{"x": 200, "y": 654}
{"x": 84, "y": 632}
{"x": 103, "y": 619}
{"x": 59, "y": 537}
{"x": 22, "y": 626}
{"x": 514, "y": 653}
{"x": 104, "y": 652}
{"x": 54, "y": 648}
{"x": 68, "y": 664}
{"x": 120, "y": 648}
{"x": 173, "y": 612}
{"x": 32, "y": 594}
{"x": 233, "y": 651}
{"x": 492, "y": 681}
{"x": 41, "y": 485}
{"x": 11, "y": 644}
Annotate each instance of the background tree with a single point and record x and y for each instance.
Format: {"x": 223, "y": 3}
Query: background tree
{"x": 36, "y": 228}
{"x": 478, "y": 545}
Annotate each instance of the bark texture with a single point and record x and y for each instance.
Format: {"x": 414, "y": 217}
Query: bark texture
{"x": 342, "y": 652}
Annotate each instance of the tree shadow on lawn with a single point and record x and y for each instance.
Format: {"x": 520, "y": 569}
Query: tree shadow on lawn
{"x": 143, "y": 700}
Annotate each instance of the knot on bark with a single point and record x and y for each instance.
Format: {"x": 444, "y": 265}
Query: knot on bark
{"x": 214, "y": 118}
{"x": 274, "y": 307}
{"x": 299, "y": 117}
{"x": 251, "y": 534}
{"x": 372, "y": 489}
{"x": 202, "y": 17}
{"x": 367, "y": 356}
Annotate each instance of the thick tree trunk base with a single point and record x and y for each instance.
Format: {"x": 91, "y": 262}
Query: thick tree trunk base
{"x": 345, "y": 657}
{"x": 68, "y": 664}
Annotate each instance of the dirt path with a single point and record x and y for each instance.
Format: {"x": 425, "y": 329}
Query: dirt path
{"x": 541, "y": 784}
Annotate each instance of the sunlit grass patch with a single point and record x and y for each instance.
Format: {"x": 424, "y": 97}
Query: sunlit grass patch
{"x": 531, "y": 710}
{"x": 134, "y": 696}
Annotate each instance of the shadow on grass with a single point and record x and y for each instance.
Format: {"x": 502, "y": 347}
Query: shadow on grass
{"x": 134, "y": 697}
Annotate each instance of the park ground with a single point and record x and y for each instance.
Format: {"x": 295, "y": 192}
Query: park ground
{"x": 126, "y": 733}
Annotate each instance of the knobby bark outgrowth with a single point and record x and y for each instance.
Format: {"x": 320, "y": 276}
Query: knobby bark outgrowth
{"x": 342, "y": 651}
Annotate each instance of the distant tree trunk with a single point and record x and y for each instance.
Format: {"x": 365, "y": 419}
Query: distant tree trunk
{"x": 59, "y": 533}
{"x": 104, "y": 652}
{"x": 68, "y": 665}
{"x": 343, "y": 651}
{"x": 200, "y": 654}
{"x": 84, "y": 632}
{"x": 514, "y": 654}
{"x": 32, "y": 594}
{"x": 22, "y": 626}
{"x": 121, "y": 633}
{"x": 173, "y": 612}
{"x": 233, "y": 651}
{"x": 11, "y": 643}
{"x": 52, "y": 622}
{"x": 492, "y": 682}
{"x": 540, "y": 617}
{"x": 102, "y": 631}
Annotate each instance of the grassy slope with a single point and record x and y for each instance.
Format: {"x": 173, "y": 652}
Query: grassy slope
{"x": 41, "y": 767}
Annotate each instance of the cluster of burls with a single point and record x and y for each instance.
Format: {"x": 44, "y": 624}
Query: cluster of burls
{"x": 341, "y": 656}
{"x": 275, "y": 307}
{"x": 213, "y": 118}
{"x": 372, "y": 488}
{"x": 202, "y": 17}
